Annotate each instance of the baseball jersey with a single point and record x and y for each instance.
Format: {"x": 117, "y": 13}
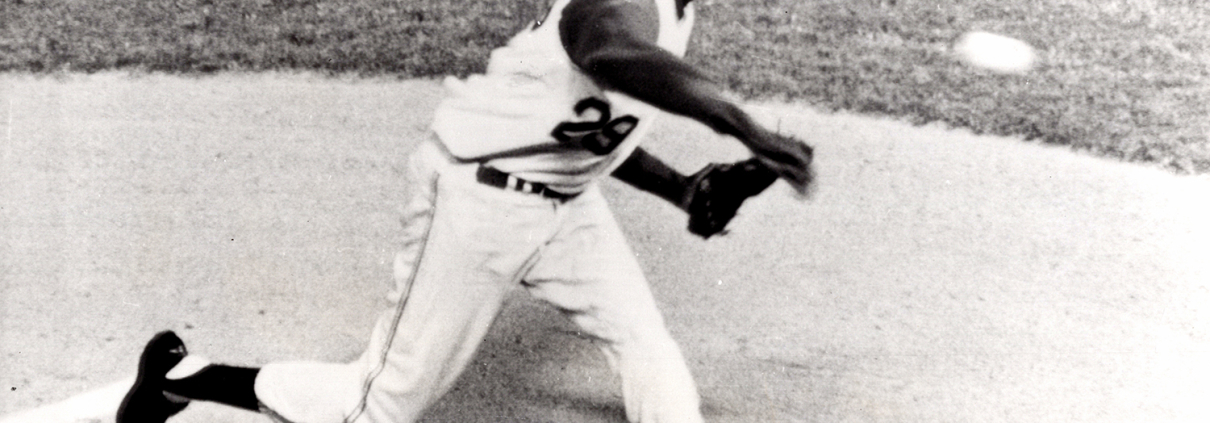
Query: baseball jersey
{"x": 536, "y": 115}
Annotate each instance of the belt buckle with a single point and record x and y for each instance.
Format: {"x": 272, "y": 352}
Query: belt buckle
{"x": 507, "y": 181}
{"x": 517, "y": 184}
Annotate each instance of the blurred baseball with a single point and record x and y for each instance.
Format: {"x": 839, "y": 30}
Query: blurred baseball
{"x": 994, "y": 52}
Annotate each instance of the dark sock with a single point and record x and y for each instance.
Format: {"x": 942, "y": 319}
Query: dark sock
{"x": 227, "y": 385}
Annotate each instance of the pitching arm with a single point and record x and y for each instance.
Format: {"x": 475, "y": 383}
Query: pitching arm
{"x": 614, "y": 41}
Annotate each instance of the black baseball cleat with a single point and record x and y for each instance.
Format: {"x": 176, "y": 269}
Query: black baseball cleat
{"x": 147, "y": 402}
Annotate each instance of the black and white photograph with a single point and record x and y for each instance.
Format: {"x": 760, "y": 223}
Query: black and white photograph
{"x": 604, "y": 211}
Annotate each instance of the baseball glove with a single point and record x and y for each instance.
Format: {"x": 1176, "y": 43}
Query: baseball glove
{"x": 717, "y": 191}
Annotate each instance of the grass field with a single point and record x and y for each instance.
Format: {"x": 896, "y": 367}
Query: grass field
{"x": 1128, "y": 79}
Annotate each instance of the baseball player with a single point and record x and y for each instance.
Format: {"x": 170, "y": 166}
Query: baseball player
{"x": 503, "y": 195}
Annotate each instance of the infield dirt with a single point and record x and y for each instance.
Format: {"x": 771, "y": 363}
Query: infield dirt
{"x": 936, "y": 276}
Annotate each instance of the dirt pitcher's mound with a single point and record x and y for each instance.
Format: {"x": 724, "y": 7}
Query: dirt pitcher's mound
{"x": 936, "y": 276}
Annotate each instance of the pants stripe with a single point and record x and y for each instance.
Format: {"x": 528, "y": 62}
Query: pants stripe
{"x": 403, "y": 300}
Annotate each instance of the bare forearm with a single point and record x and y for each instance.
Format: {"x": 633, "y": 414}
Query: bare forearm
{"x": 648, "y": 173}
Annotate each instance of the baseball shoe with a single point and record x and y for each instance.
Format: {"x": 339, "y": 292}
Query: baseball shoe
{"x": 147, "y": 402}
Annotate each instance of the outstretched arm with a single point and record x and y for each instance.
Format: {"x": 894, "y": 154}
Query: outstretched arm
{"x": 614, "y": 41}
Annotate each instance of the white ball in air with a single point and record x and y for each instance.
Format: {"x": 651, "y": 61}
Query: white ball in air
{"x": 995, "y": 52}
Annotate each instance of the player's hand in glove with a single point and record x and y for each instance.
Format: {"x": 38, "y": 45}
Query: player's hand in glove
{"x": 717, "y": 191}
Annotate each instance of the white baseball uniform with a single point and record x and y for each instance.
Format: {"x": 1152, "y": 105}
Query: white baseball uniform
{"x": 546, "y": 132}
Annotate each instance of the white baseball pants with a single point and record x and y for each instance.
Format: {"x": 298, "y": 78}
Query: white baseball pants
{"x": 467, "y": 245}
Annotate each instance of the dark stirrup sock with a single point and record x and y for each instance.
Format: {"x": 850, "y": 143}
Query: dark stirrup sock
{"x": 227, "y": 385}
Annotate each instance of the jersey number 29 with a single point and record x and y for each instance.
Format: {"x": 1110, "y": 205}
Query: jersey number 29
{"x": 601, "y": 136}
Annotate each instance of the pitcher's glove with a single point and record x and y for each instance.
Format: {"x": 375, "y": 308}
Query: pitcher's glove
{"x": 717, "y": 191}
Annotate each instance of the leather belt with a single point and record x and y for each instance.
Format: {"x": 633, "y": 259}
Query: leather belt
{"x": 496, "y": 178}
